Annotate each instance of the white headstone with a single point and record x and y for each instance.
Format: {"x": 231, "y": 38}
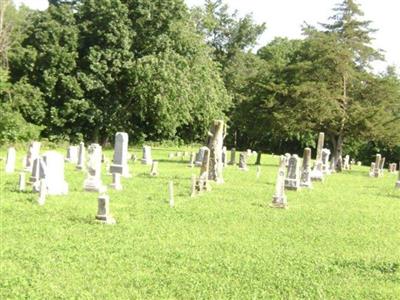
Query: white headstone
{"x": 54, "y": 174}
{"x": 279, "y": 199}
{"x": 199, "y": 156}
{"x": 33, "y": 153}
{"x": 120, "y": 160}
{"x": 147, "y": 159}
{"x": 292, "y": 180}
{"x": 103, "y": 210}
{"x": 116, "y": 184}
{"x": 93, "y": 182}
{"x": 21, "y": 182}
{"x": 81, "y": 156}
{"x": 72, "y": 154}
{"x": 10, "y": 162}
{"x": 38, "y": 172}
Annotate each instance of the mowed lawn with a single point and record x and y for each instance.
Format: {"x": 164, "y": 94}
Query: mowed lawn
{"x": 339, "y": 240}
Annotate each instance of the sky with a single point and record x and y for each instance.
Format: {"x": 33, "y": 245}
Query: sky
{"x": 285, "y": 17}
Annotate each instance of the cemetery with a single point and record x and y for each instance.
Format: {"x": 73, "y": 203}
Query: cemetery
{"x": 149, "y": 150}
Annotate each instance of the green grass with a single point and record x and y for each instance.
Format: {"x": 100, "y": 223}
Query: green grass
{"x": 339, "y": 240}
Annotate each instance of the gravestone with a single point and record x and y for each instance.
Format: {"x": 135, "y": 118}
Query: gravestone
{"x": 279, "y": 199}
{"x": 154, "y": 168}
{"x": 191, "y": 160}
{"x": 42, "y": 192}
{"x": 33, "y": 153}
{"x": 72, "y": 154}
{"x": 200, "y": 156}
{"x": 346, "y": 163}
{"x": 243, "y": 162}
{"x": 10, "y": 161}
{"x": 249, "y": 152}
{"x": 147, "y": 159}
{"x": 21, "y": 182}
{"x": 377, "y": 170}
{"x": 215, "y": 143}
{"x": 232, "y": 161}
{"x": 305, "y": 178}
{"x": 359, "y": 163}
{"x": 93, "y": 182}
{"x": 382, "y": 165}
{"x": 287, "y": 157}
{"x": 54, "y": 173}
{"x": 202, "y": 183}
{"x": 116, "y": 182}
{"x": 171, "y": 156}
{"x": 103, "y": 210}
{"x": 258, "y": 172}
{"x": 372, "y": 170}
{"x": 81, "y": 156}
{"x": 398, "y": 180}
{"x": 38, "y": 172}
{"x": 325, "y": 161}
{"x": 120, "y": 160}
{"x": 316, "y": 173}
{"x": 292, "y": 180}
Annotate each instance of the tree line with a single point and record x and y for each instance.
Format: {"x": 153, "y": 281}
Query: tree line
{"x": 84, "y": 69}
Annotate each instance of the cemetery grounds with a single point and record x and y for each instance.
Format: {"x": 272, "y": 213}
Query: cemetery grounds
{"x": 339, "y": 240}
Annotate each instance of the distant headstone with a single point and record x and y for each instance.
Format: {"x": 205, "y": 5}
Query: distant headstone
{"x": 279, "y": 199}
{"x": 346, "y": 163}
{"x": 81, "y": 156}
{"x": 372, "y": 170}
{"x": 249, "y": 152}
{"x": 116, "y": 182}
{"x": 147, "y": 158}
{"x": 317, "y": 172}
{"x": 10, "y": 162}
{"x": 191, "y": 159}
{"x": 292, "y": 180}
{"x": 382, "y": 165}
{"x": 325, "y": 161}
{"x": 33, "y": 153}
{"x": 232, "y": 161}
{"x": 21, "y": 182}
{"x": 377, "y": 167}
{"x": 171, "y": 155}
{"x": 305, "y": 178}
{"x": 154, "y": 168}
{"x": 93, "y": 182}
{"x": 202, "y": 183}
{"x": 199, "y": 156}
{"x": 103, "y": 210}
{"x": 120, "y": 159}
{"x": 359, "y": 163}
{"x": 243, "y": 162}
{"x": 72, "y": 154}
{"x": 215, "y": 143}
{"x": 54, "y": 173}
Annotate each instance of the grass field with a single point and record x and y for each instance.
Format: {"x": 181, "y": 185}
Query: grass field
{"x": 340, "y": 240}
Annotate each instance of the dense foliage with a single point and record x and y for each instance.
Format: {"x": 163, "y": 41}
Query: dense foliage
{"x": 84, "y": 69}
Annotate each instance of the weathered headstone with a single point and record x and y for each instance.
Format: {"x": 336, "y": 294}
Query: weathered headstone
{"x": 191, "y": 159}
{"x": 103, "y": 210}
{"x": 147, "y": 158}
{"x": 54, "y": 173}
{"x": 38, "y": 172}
{"x": 154, "y": 168}
{"x": 305, "y": 178}
{"x": 215, "y": 143}
{"x": 202, "y": 182}
{"x": 33, "y": 153}
{"x": 199, "y": 156}
{"x": 316, "y": 173}
{"x": 325, "y": 161}
{"x": 249, "y": 152}
{"x": 372, "y": 170}
{"x": 382, "y": 165}
{"x": 81, "y": 156}
{"x": 377, "y": 170}
{"x": 292, "y": 180}
{"x": 42, "y": 192}
{"x": 243, "y": 162}
{"x": 232, "y": 161}
{"x": 72, "y": 154}
{"x": 279, "y": 199}
{"x": 116, "y": 182}
{"x": 120, "y": 159}
{"x": 10, "y": 162}
{"x": 21, "y": 182}
{"x": 359, "y": 163}
{"x": 93, "y": 182}
{"x": 287, "y": 157}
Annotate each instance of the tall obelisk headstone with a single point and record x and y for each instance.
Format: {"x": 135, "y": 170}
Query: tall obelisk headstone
{"x": 279, "y": 200}
{"x": 305, "y": 178}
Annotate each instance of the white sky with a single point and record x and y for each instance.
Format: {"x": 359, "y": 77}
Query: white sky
{"x": 285, "y": 17}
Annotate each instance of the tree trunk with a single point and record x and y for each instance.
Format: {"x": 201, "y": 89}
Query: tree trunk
{"x": 337, "y": 143}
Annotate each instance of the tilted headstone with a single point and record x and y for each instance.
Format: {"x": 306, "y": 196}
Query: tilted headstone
{"x": 120, "y": 159}
{"x": 232, "y": 161}
{"x": 116, "y": 182}
{"x": 316, "y": 173}
{"x": 93, "y": 181}
{"x": 200, "y": 156}
{"x": 377, "y": 170}
{"x": 54, "y": 174}
{"x": 305, "y": 178}
{"x": 382, "y": 165}
{"x": 215, "y": 143}
{"x": 243, "y": 162}
{"x": 292, "y": 180}
{"x": 21, "y": 182}
{"x": 10, "y": 161}
{"x": 81, "y": 157}
{"x": 279, "y": 199}
{"x": 154, "y": 168}
{"x": 33, "y": 153}
{"x": 72, "y": 154}
{"x": 103, "y": 210}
